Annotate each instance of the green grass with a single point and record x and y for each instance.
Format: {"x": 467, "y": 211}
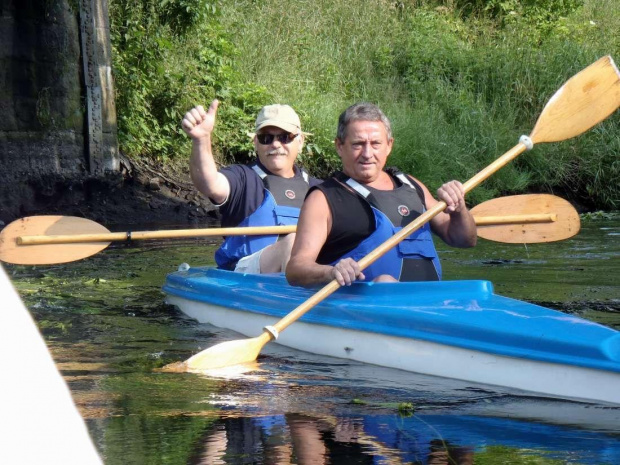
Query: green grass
{"x": 460, "y": 80}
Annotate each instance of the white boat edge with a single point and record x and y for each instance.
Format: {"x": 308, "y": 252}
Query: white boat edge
{"x": 429, "y": 358}
{"x": 40, "y": 421}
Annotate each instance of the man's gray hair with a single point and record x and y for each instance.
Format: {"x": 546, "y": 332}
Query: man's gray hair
{"x": 362, "y": 111}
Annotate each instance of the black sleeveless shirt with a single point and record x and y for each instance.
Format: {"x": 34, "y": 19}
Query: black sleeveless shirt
{"x": 352, "y": 217}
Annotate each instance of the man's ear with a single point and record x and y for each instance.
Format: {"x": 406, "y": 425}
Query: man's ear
{"x": 338, "y": 144}
{"x": 390, "y": 144}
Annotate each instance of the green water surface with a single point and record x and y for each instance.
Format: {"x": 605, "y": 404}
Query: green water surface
{"x": 108, "y": 329}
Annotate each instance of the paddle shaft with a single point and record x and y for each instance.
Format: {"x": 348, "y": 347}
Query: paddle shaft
{"x": 247, "y": 231}
{"x": 144, "y": 235}
{"x": 382, "y": 249}
{"x": 515, "y": 219}
{"x": 50, "y": 239}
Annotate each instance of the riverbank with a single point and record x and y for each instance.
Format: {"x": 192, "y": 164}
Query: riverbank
{"x": 143, "y": 193}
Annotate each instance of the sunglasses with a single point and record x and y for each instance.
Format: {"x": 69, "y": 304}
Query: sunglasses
{"x": 267, "y": 139}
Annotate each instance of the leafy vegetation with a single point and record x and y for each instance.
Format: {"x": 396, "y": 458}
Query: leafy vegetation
{"x": 169, "y": 54}
{"x": 461, "y": 80}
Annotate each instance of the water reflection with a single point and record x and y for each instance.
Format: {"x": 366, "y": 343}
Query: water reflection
{"x": 296, "y": 438}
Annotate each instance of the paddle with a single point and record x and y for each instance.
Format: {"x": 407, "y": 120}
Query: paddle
{"x": 526, "y": 219}
{"x": 38, "y": 240}
{"x": 45, "y": 240}
{"x": 583, "y": 101}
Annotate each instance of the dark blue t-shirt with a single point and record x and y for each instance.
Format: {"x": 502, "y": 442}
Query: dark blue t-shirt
{"x": 247, "y": 192}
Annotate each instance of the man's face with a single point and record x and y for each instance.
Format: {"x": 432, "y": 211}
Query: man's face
{"x": 364, "y": 150}
{"x": 279, "y": 152}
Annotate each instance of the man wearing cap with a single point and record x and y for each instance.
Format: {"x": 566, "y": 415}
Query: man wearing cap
{"x": 268, "y": 192}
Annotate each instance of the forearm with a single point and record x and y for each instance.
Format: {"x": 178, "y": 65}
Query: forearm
{"x": 308, "y": 273}
{"x": 456, "y": 225}
{"x": 461, "y": 230}
{"x": 203, "y": 170}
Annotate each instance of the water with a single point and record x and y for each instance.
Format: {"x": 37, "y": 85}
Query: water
{"x": 107, "y": 327}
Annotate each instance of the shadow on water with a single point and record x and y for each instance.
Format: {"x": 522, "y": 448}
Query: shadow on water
{"x": 108, "y": 329}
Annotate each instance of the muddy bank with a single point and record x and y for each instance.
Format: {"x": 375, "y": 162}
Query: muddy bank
{"x": 143, "y": 193}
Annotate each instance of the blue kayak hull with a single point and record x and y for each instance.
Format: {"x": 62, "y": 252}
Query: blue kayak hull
{"x": 456, "y": 329}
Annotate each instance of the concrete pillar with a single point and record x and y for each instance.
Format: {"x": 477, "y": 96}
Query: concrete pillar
{"x": 101, "y": 146}
{"x": 57, "y": 113}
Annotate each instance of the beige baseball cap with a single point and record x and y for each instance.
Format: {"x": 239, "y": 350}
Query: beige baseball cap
{"x": 280, "y": 116}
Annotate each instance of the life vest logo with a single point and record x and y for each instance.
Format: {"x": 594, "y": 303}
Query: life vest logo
{"x": 403, "y": 210}
{"x": 290, "y": 194}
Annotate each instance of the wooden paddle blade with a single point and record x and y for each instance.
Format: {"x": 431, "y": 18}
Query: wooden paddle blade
{"x": 222, "y": 355}
{"x": 12, "y": 252}
{"x": 565, "y": 225}
{"x": 584, "y": 100}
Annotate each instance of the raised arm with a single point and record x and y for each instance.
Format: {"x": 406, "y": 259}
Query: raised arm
{"x": 198, "y": 124}
{"x": 455, "y": 225}
{"x": 313, "y": 227}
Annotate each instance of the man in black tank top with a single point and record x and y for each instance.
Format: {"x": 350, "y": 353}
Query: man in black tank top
{"x": 346, "y": 212}
{"x": 238, "y": 190}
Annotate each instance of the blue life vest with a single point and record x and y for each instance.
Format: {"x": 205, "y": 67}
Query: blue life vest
{"x": 271, "y": 212}
{"x": 418, "y": 245}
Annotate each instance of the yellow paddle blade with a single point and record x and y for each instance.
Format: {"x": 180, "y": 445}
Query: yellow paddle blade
{"x": 222, "y": 355}
{"x": 12, "y": 252}
{"x": 564, "y": 223}
{"x": 583, "y": 101}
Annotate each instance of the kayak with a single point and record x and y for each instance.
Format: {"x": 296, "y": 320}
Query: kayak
{"x": 453, "y": 329}
{"x": 36, "y": 397}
